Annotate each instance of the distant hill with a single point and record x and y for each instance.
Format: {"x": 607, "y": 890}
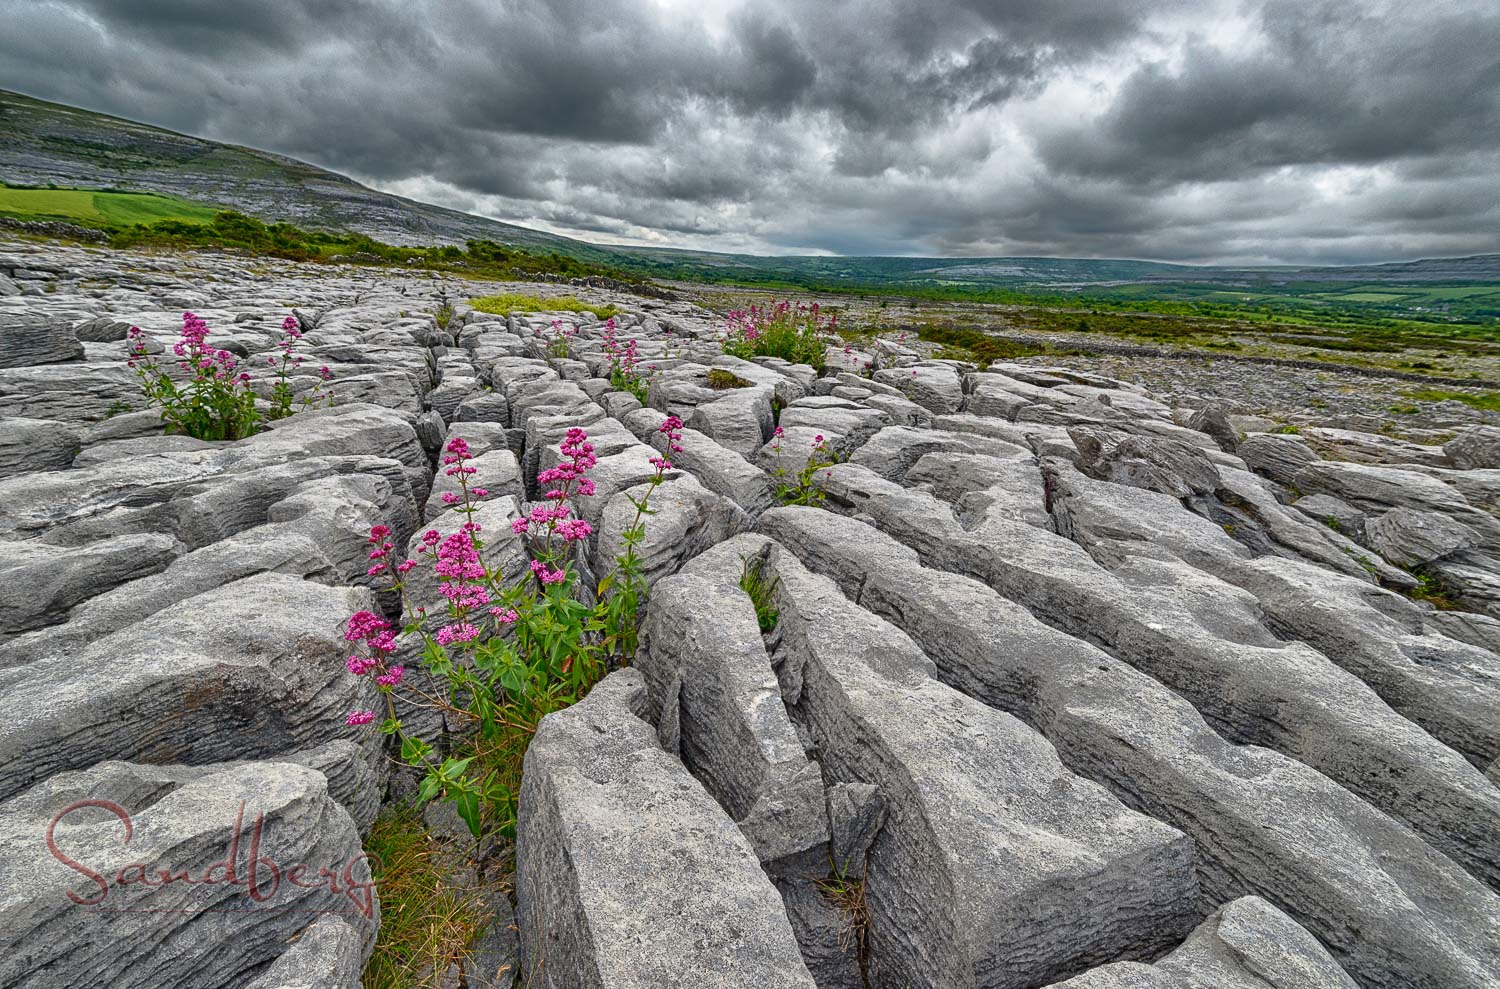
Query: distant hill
{"x": 50, "y": 144}
{"x": 45, "y": 143}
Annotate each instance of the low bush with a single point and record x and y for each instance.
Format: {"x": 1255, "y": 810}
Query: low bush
{"x": 796, "y": 333}
{"x": 211, "y": 398}
{"x": 982, "y": 347}
{"x": 507, "y": 654}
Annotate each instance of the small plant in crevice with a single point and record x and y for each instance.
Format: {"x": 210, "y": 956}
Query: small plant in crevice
{"x": 761, "y": 588}
{"x": 625, "y": 364}
{"x": 427, "y": 921}
{"x": 797, "y": 487}
{"x": 507, "y": 653}
{"x": 559, "y": 339}
{"x": 1431, "y": 590}
{"x": 723, "y": 379}
{"x": 846, "y": 894}
{"x": 215, "y": 403}
{"x": 445, "y": 311}
{"x": 284, "y": 364}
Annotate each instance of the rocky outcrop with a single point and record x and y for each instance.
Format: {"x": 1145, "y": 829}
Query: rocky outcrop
{"x": 1045, "y": 681}
{"x": 609, "y": 824}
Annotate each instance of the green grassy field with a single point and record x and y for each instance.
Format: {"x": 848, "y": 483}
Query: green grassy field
{"x": 102, "y": 209}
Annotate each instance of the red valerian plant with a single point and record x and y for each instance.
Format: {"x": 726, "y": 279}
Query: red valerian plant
{"x": 211, "y": 398}
{"x": 796, "y": 333}
{"x": 625, "y": 364}
{"x": 284, "y": 364}
{"x": 797, "y": 488}
{"x": 507, "y": 652}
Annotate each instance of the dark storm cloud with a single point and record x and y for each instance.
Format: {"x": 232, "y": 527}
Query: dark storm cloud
{"x": 1330, "y": 85}
{"x": 1317, "y": 130}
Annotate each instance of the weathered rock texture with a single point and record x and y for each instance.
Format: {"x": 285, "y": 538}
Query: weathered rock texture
{"x": 1054, "y": 683}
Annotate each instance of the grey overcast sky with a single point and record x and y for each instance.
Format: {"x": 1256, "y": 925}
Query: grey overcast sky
{"x": 1199, "y": 130}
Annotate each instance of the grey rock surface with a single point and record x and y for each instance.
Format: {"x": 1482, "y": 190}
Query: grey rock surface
{"x": 1411, "y": 538}
{"x": 1245, "y": 944}
{"x": 180, "y": 933}
{"x": 610, "y": 822}
{"x": 1065, "y": 678}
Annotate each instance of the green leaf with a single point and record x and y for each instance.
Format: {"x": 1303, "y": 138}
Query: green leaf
{"x": 414, "y": 750}
{"x": 454, "y": 768}
{"x": 468, "y": 808}
{"x": 432, "y": 785}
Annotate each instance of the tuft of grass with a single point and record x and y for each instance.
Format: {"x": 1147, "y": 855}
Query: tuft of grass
{"x": 426, "y": 922}
{"x": 1287, "y": 430}
{"x": 721, "y": 379}
{"x": 847, "y": 895}
{"x": 762, "y": 589}
{"x": 1429, "y": 589}
{"x": 509, "y": 302}
{"x": 1487, "y": 401}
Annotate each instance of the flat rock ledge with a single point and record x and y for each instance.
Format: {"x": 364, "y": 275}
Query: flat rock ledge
{"x": 1064, "y": 686}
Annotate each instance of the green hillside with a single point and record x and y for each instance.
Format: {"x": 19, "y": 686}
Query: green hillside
{"x": 102, "y": 209}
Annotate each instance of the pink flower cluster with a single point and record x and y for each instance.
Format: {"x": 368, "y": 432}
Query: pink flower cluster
{"x": 380, "y": 638}
{"x": 381, "y": 553}
{"x": 671, "y": 428}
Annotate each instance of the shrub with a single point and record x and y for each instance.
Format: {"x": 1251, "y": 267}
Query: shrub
{"x": 507, "y": 653}
{"x": 980, "y": 346}
{"x": 795, "y": 333}
{"x": 216, "y": 401}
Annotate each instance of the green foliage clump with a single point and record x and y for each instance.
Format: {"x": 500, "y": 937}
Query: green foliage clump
{"x": 509, "y": 302}
{"x": 796, "y": 333}
{"x": 721, "y": 379}
{"x": 1431, "y": 590}
{"x": 762, "y": 588}
{"x": 978, "y": 346}
{"x": 510, "y": 650}
{"x": 797, "y": 488}
{"x": 1487, "y": 401}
